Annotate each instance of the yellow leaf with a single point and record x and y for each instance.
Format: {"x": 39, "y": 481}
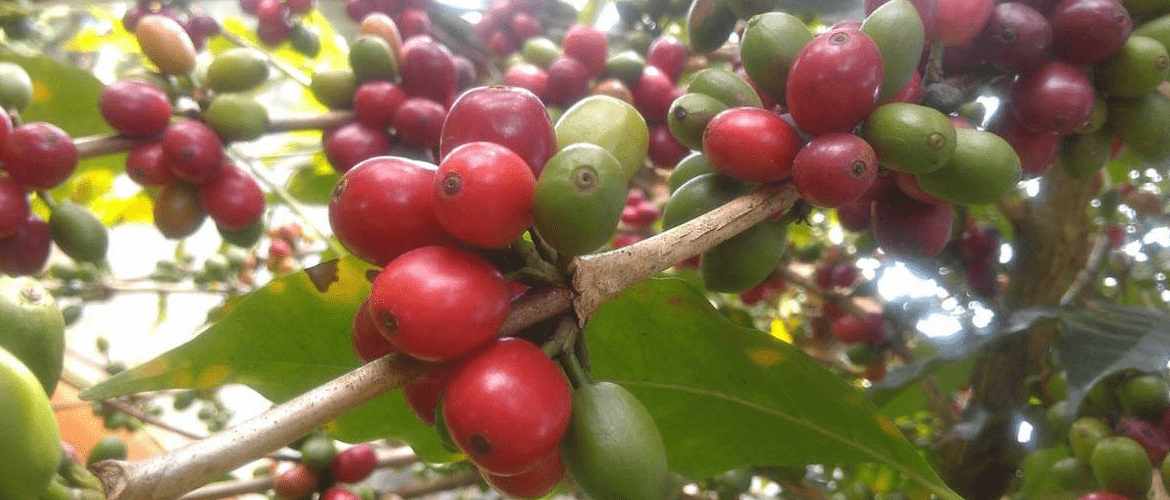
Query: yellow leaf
{"x": 780, "y": 331}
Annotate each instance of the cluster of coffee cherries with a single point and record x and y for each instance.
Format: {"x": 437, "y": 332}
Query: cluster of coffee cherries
{"x": 279, "y": 21}
{"x": 198, "y": 26}
{"x": 582, "y": 65}
{"x": 507, "y": 24}
{"x": 399, "y": 92}
{"x": 326, "y": 472}
{"x": 410, "y": 15}
{"x": 38, "y": 156}
{"x": 184, "y": 161}
{"x": 1119, "y": 439}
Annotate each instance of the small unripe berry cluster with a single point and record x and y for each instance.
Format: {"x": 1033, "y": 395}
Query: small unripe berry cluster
{"x": 324, "y": 470}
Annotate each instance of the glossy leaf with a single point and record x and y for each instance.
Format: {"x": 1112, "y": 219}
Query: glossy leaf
{"x": 726, "y": 396}
{"x": 290, "y": 336}
{"x": 1103, "y": 339}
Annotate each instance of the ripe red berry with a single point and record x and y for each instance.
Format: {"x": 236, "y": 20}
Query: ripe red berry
{"x": 25, "y": 252}
{"x": 300, "y": 7}
{"x": 905, "y": 226}
{"x": 135, "y": 108}
{"x": 665, "y": 151}
{"x": 483, "y": 194}
{"x": 385, "y": 207}
{"x": 533, "y": 483}
{"x": 507, "y": 407}
{"x": 512, "y": 117}
{"x": 353, "y": 143}
{"x": 39, "y": 155}
{"x": 668, "y": 54}
{"x": 233, "y": 199}
{"x": 1055, "y": 98}
{"x": 14, "y": 207}
{"x": 368, "y": 342}
{"x": 529, "y": 77}
{"x": 834, "y": 169}
{"x": 424, "y": 392}
{"x": 568, "y": 82}
{"x": 1088, "y": 31}
{"x": 146, "y": 164}
{"x": 296, "y": 482}
{"x": 653, "y": 94}
{"x": 193, "y": 151}
{"x": 414, "y": 22}
{"x": 587, "y": 45}
{"x": 751, "y": 144}
{"x": 428, "y": 70}
{"x": 850, "y": 328}
{"x": 834, "y": 82}
{"x": 354, "y": 464}
{"x": 439, "y": 303}
{"x": 339, "y": 493}
{"x": 419, "y": 122}
{"x": 375, "y": 103}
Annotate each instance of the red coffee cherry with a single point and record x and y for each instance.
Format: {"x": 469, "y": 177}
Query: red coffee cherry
{"x": 424, "y": 392}
{"x": 368, "y": 342}
{"x": 668, "y": 54}
{"x": 483, "y": 194}
{"x": 26, "y": 251}
{"x": 354, "y": 464}
{"x": 385, "y": 207}
{"x": 587, "y": 45}
{"x": 428, "y": 70}
{"x": 14, "y": 207}
{"x": 512, "y": 117}
{"x": 833, "y": 84}
{"x": 233, "y": 200}
{"x": 751, "y": 144}
{"x": 568, "y": 82}
{"x": 850, "y": 328}
{"x": 529, "y": 77}
{"x": 193, "y": 151}
{"x": 419, "y": 122}
{"x": 39, "y": 155}
{"x": 135, "y": 108}
{"x": 297, "y": 482}
{"x": 533, "y": 483}
{"x": 439, "y": 303}
{"x": 146, "y": 164}
{"x": 507, "y": 407}
{"x": 834, "y": 169}
{"x": 653, "y": 94}
{"x": 375, "y": 103}
{"x": 1055, "y": 98}
{"x": 353, "y": 143}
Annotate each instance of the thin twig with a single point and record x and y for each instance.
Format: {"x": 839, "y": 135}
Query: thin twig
{"x": 1092, "y": 266}
{"x": 150, "y": 419}
{"x": 845, "y": 301}
{"x": 428, "y": 486}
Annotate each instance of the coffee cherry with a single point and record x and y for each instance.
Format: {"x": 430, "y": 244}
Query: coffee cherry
{"x": 384, "y": 207}
{"x": 135, "y": 108}
{"x": 610, "y": 123}
{"x": 653, "y": 94}
{"x": 868, "y": 328}
{"x": 237, "y": 117}
{"x": 1088, "y": 31}
{"x": 14, "y": 206}
{"x": 1152, "y": 438}
{"x": 1084, "y": 435}
{"x": 353, "y": 143}
{"x": 507, "y": 407}
{"x": 16, "y": 88}
{"x": 1145, "y": 396}
{"x": 751, "y": 144}
{"x": 834, "y": 82}
{"x": 354, "y": 464}
{"x": 533, "y": 483}
{"x": 1101, "y": 495}
{"x": 578, "y": 199}
{"x": 372, "y": 59}
{"x": 1016, "y": 38}
{"x": 368, "y": 342}
{"x": 146, "y": 165}
{"x": 834, "y": 169}
{"x": 439, "y": 303}
{"x": 568, "y": 82}
{"x": 334, "y": 88}
{"x": 375, "y": 103}
{"x": 419, "y": 122}
{"x": 428, "y": 70}
{"x": 1054, "y": 98}
{"x": 424, "y": 392}
{"x": 193, "y": 151}
{"x": 318, "y": 451}
{"x": 339, "y": 493}
{"x": 295, "y": 483}
{"x": 905, "y": 226}
{"x": 25, "y": 252}
{"x": 1122, "y": 466}
{"x": 668, "y": 54}
{"x": 233, "y": 199}
{"x": 587, "y": 45}
{"x": 483, "y": 194}
{"x": 78, "y": 233}
{"x": 509, "y": 116}
{"x": 39, "y": 155}
{"x": 414, "y": 22}
{"x": 166, "y": 44}
{"x": 177, "y": 211}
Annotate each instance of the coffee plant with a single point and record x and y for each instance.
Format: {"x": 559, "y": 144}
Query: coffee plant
{"x": 643, "y": 250}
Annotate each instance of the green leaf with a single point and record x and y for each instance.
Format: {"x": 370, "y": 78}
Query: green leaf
{"x": 1103, "y": 339}
{"x": 725, "y": 397}
{"x": 898, "y": 380}
{"x": 290, "y": 336}
{"x": 313, "y": 183}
